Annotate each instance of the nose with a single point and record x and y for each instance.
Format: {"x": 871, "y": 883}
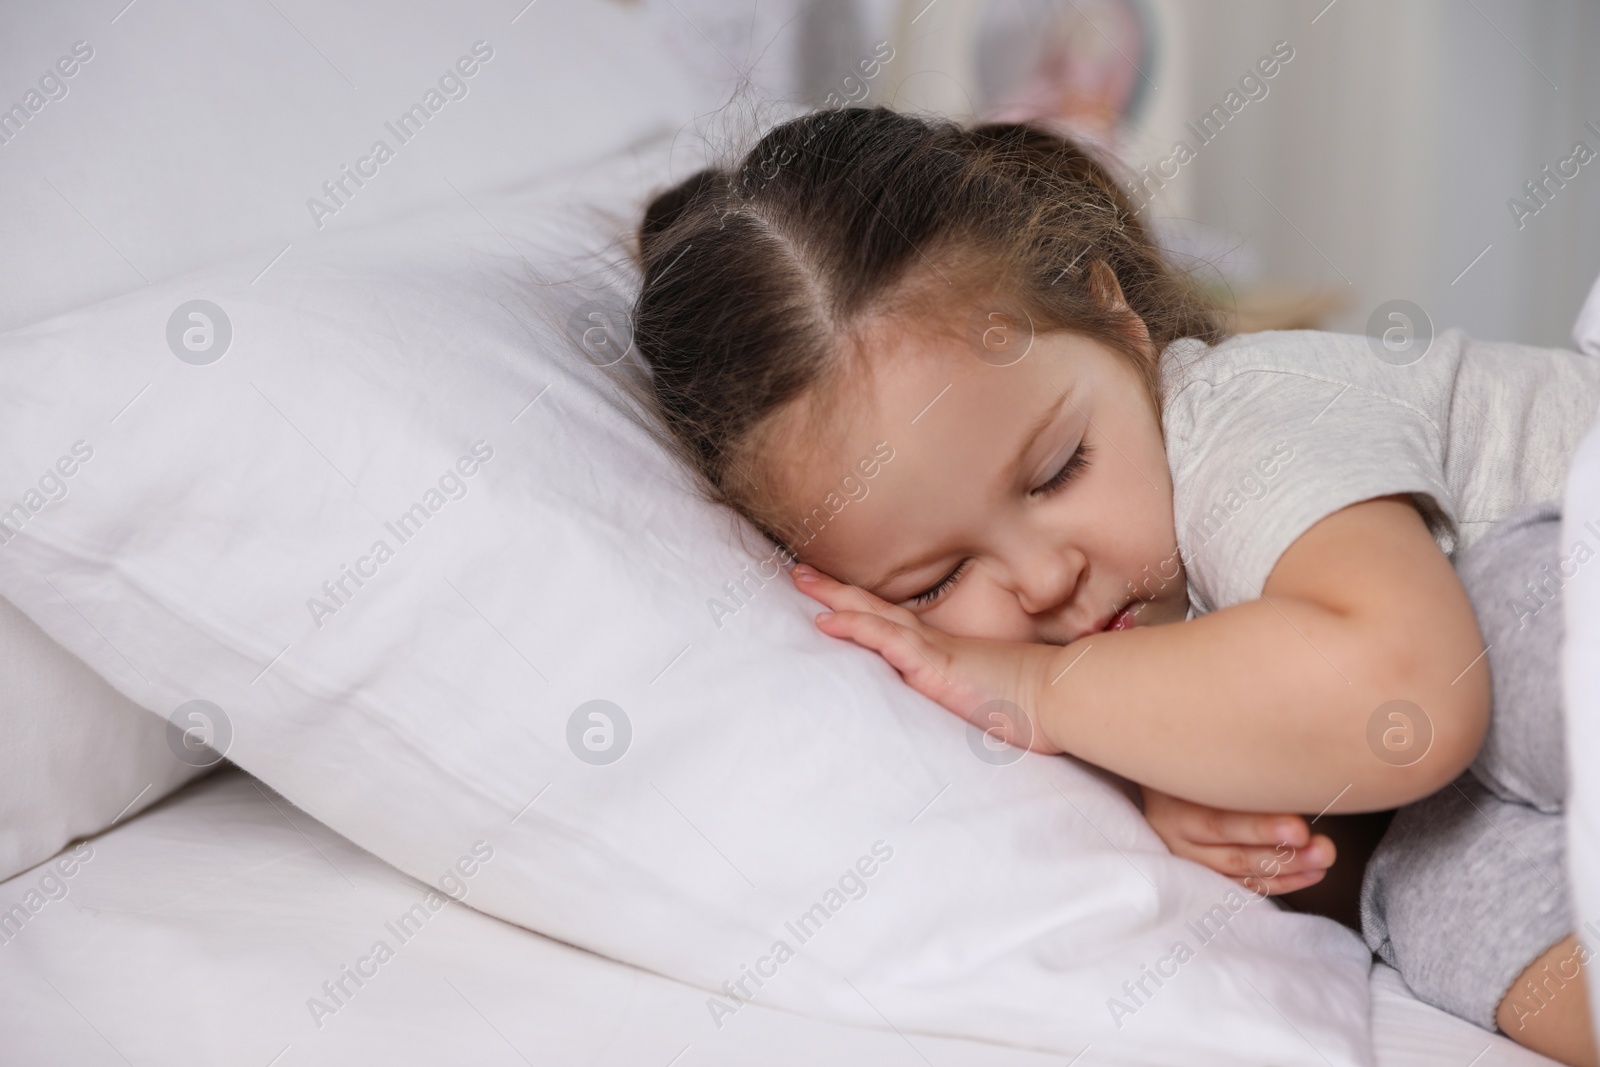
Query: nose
{"x": 1045, "y": 578}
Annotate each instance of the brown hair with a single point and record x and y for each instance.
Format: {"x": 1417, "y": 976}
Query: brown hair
{"x": 759, "y": 276}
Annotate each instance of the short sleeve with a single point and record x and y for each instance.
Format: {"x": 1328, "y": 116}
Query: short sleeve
{"x": 1262, "y": 455}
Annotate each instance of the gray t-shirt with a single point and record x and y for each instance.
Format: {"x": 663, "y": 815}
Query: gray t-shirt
{"x": 1268, "y": 433}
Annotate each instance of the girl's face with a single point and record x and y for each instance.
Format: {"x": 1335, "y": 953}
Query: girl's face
{"x": 1029, "y": 502}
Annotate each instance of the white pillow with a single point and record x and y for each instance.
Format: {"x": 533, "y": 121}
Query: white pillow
{"x": 419, "y": 387}
{"x": 1586, "y": 330}
{"x": 260, "y": 116}
{"x": 75, "y": 754}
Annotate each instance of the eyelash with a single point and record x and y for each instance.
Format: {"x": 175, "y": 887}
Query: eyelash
{"x": 1069, "y": 470}
{"x": 928, "y": 596}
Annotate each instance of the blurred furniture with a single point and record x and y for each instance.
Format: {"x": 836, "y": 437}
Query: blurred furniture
{"x": 1277, "y": 306}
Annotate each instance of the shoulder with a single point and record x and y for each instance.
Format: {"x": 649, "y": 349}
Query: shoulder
{"x": 1290, "y": 351}
{"x": 1287, "y": 370}
{"x": 1313, "y": 354}
{"x": 1346, "y": 425}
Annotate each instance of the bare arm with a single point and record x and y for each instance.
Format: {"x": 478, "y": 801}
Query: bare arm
{"x": 1263, "y": 706}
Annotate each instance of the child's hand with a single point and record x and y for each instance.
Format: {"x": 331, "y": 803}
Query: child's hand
{"x": 961, "y": 673}
{"x": 1264, "y": 853}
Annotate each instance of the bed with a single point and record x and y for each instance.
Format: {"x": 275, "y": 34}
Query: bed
{"x": 199, "y": 932}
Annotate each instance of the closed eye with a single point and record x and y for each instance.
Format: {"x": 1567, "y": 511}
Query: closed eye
{"x": 1069, "y": 470}
{"x": 942, "y": 586}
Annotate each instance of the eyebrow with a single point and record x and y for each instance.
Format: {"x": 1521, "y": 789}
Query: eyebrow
{"x": 1050, "y": 415}
{"x": 1039, "y": 426}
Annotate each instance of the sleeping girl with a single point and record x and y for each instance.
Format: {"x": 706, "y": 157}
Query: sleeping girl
{"x": 1082, "y": 459}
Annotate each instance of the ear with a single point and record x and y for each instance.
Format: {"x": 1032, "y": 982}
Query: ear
{"x": 1104, "y": 287}
{"x": 1107, "y": 292}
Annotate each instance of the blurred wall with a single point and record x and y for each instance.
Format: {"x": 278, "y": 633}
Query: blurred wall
{"x": 1379, "y": 164}
{"x": 1384, "y": 156}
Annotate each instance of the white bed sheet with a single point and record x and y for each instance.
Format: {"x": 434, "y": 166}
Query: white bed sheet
{"x": 197, "y": 932}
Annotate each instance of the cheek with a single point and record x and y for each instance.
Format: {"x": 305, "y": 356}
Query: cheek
{"x": 979, "y": 607}
{"x": 1150, "y": 538}
{"x": 1121, "y": 501}
{"x": 1131, "y": 526}
{"x": 1151, "y": 485}
{"x": 1148, "y": 556}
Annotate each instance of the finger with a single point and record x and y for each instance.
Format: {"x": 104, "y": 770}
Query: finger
{"x": 1237, "y": 861}
{"x": 902, "y": 648}
{"x": 1325, "y": 848}
{"x": 1287, "y": 883}
{"x": 841, "y": 596}
{"x": 813, "y": 583}
{"x": 1217, "y": 827}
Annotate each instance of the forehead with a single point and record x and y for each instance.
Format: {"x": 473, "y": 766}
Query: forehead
{"x": 890, "y": 374}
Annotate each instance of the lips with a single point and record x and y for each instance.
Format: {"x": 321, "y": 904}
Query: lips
{"x": 1123, "y": 619}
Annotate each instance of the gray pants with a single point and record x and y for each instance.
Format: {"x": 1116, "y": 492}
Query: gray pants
{"x": 1469, "y": 885}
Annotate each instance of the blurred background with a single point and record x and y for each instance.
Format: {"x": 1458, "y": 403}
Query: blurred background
{"x": 1336, "y": 154}
{"x": 1385, "y": 160}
